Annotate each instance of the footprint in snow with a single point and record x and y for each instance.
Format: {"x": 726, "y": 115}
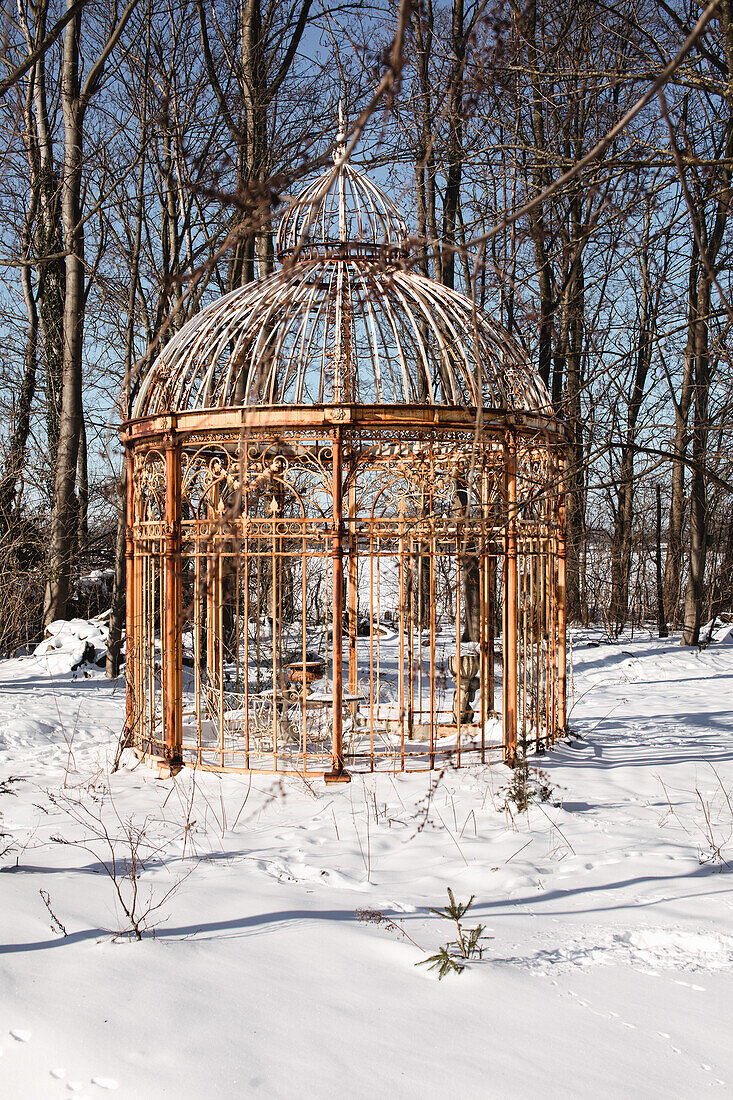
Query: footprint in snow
{"x": 399, "y": 906}
{"x": 21, "y": 1035}
{"x": 105, "y": 1083}
{"x": 270, "y": 867}
{"x": 688, "y": 985}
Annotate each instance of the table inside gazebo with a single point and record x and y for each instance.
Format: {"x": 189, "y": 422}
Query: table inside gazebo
{"x": 283, "y": 713}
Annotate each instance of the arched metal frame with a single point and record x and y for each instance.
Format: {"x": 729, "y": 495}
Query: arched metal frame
{"x": 345, "y": 486}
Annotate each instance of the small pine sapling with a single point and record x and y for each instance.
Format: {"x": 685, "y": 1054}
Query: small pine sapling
{"x": 526, "y": 785}
{"x": 450, "y": 958}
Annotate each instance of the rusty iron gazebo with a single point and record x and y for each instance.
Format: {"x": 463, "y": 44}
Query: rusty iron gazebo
{"x": 345, "y": 490}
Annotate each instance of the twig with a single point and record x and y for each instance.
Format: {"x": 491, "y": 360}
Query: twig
{"x": 56, "y": 924}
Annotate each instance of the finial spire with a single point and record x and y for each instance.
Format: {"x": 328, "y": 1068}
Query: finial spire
{"x": 340, "y": 135}
{"x": 339, "y": 159}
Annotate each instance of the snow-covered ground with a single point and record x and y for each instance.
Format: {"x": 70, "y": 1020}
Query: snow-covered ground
{"x": 610, "y": 970}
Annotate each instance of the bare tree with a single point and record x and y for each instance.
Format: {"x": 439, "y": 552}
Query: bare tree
{"x": 75, "y": 99}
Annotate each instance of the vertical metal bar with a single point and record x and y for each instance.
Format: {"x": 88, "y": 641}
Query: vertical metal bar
{"x": 547, "y": 559}
{"x": 337, "y": 773}
{"x": 550, "y": 734}
{"x": 245, "y": 535}
{"x": 372, "y": 642}
{"x": 483, "y": 611}
{"x": 410, "y": 595}
{"x": 378, "y": 685}
{"x": 328, "y": 603}
{"x": 132, "y": 642}
{"x": 510, "y": 601}
{"x": 156, "y": 688}
{"x": 237, "y": 613}
{"x": 258, "y": 554}
{"x": 537, "y": 638}
{"x": 353, "y": 591}
{"x": 562, "y": 716}
{"x": 433, "y": 699}
{"x": 141, "y": 584}
{"x": 303, "y": 635}
{"x": 274, "y": 624}
{"x": 245, "y": 640}
{"x": 459, "y": 671}
{"x": 147, "y": 696}
{"x": 157, "y": 719}
{"x": 401, "y": 667}
{"x": 491, "y": 625}
{"x": 210, "y": 585}
{"x": 523, "y": 647}
{"x": 172, "y": 655}
{"x": 530, "y": 644}
{"x": 219, "y": 605}
{"x": 420, "y": 565}
{"x": 198, "y": 599}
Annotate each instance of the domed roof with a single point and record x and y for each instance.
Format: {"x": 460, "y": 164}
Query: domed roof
{"x": 345, "y": 321}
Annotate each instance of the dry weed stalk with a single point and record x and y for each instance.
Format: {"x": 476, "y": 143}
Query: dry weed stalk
{"x": 124, "y": 854}
{"x": 376, "y": 916}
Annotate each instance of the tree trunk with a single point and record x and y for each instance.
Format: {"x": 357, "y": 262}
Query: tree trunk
{"x": 661, "y": 620}
{"x": 65, "y": 509}
{"x": 575, "y": 501}
{"x": 540, "y": 179}
{"x": 74, "y": 100}
{"x": 698, "y": 491}
{"x": 710, "y": 234}
{"x": 48, "y": 242}
{"x": 117, "y": 613}
{"x": 621, "y": 543}
{"x": 621, "y": 551}
{"x": 83, "y": 481}
{"x": 17, "y": 444}
{"x": 454, "y": 158}
{"x": 119, "y": 586}
{"x": 673, "y": 561}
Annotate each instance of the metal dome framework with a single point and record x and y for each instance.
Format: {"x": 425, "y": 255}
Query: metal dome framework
{"x": 345, "y": 489}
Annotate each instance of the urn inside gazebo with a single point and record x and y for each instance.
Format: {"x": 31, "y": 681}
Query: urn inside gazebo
{"x": 306, "y": 672}
{"x": 464, "y": 669}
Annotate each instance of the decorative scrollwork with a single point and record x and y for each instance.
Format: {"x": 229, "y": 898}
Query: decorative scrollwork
{"x": 149, "y": 485}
